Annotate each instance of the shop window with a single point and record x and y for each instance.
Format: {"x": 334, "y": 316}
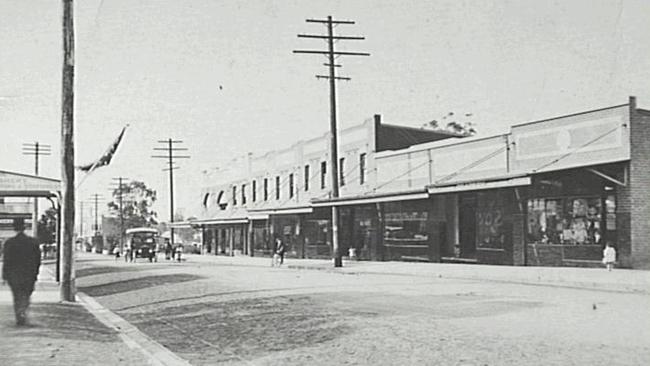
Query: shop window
{"x": 362, "y": 168}
{"x": 406, "y": 232}
{"x": 234, "y": 195}
{"x": 243, "y": 194}
{"x": 307, "y": 177}
{"x": 291, "y": 185}
{"x": 277, "y": 187}
{"x": 254, "y": 191}
{"x": 266, "y": 189}
{"x": 571, "y": 220}
{"x": 342, "y": 172}
{"x": 323, "y": 174}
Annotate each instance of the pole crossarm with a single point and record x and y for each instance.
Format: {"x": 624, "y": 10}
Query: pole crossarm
{"x": 336, "y": 77}
{"x": 173, "y": 148}
{"x": 318, "y": 36}
{"x": 336, "y": 53}
{"x": 329, "y": 21}
{"x": 174, "y": 156}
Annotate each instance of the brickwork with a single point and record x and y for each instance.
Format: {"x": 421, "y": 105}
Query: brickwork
{"x": 639, "y": 186}
{"x": 518, "y": 239}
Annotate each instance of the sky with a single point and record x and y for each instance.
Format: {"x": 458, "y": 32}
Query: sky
{"x": 221, "y": 76}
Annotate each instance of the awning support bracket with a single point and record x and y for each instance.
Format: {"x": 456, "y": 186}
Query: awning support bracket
{"x": 606, "y": 177}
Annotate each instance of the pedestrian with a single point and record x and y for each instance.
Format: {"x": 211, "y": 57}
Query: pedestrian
{"x": 278, "y": 251}
{"x": 22, "y": 259}
{"x": 128, "y": 253}
{"x": 609, "y": 256}
{"x": 179, "y": 251}
{"x": 169, "y": 251}
{"x": 116, "y": 252}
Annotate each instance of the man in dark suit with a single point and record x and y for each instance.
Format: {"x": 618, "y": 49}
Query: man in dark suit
{"x": 22, "y": 259}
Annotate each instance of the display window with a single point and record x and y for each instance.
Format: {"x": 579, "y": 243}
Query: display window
{"x": 406, "y": 231}
{"x": 571, "y": 220}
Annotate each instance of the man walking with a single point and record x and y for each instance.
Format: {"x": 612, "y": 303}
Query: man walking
{"x": 22, "y": 259}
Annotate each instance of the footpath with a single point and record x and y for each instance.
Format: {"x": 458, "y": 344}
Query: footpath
{"x": 618, "y": 280}
{"x": 79, "y": 333}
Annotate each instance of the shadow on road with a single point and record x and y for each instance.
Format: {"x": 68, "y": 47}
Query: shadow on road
{"x": 245, "y": 329}
{"x": 91, "y": 271}
{"x": 58, "y": 321}
{"x": 136, "y": 284}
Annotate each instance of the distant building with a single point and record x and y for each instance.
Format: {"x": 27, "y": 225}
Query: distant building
{"x": 11, "y": 208}
{"x": 15, "y": 188}
{"x": 549, "y": 192}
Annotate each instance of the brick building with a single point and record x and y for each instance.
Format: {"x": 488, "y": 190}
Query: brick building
{"x": 548, "y": 192}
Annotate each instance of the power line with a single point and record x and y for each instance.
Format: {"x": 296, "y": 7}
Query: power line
{"x": 332, "y": 55}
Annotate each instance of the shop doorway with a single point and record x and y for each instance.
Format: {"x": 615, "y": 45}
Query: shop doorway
{"x": 467, "y": 227}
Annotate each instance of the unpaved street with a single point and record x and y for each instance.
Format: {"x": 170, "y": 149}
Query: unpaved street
{"x": 214, "y": 314}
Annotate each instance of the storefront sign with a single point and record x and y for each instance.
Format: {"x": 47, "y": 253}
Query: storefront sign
{"x": 490, "y": 221}
{"x": 17, "y": 182}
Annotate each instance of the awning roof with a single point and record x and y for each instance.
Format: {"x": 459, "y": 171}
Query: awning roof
{"x": 24, "y": 185}
{"x": 181, "y": 224}
{"x": 279, "y": 211}
{"x": 12, "y": 193}
{"x": 376, "y": 198}
{"x": 476, "y": 185}
{"x": 224, "y": 221}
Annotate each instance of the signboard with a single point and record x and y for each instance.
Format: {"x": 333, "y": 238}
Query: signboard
{"x": 23, "y": 183}
{"x": 491, "y": 221}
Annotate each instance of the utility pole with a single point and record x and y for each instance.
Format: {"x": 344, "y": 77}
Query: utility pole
{"x": 67, "y": 154}
{"x": 81, "y": 220}
{"x": 36, "y": 149}
{"x": 332, "y": 55}
{"x": 95, "y": 199}
{"x": 120, "y": 184}
{"x": 170, "y": 149}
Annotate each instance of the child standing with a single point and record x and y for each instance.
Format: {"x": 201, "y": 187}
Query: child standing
{"x": 609, "y": 256}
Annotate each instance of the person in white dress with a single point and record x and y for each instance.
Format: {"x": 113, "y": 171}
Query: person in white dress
{"x": 609, "y": 256}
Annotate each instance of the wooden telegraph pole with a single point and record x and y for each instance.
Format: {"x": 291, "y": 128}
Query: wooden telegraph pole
{"x": 67, "y": 155}
{"x": 170, "y": 149}
{"x": 120, "y": 181}
{"x": 36, "y": 149}
{"x": 334, "y": 164}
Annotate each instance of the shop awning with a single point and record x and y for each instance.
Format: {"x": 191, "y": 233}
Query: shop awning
{"x": 181, "y": 224}
{"x": 224, "y": 221}
{"x": 477, "y": 185}
{"x": 14, "y": 184}
{"x": 279, "y": 211}
{"x": 256, "y": 216}
{"x": 362, "y": 200}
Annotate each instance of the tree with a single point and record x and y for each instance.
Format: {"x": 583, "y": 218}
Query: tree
{"x": 46, "y": 229}
{"x": 137, "y": 200}
{"x": 461, "y": 128}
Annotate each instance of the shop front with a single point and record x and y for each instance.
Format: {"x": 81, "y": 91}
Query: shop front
{"x": 316, "y": 228}
{"x": 289, "y": 229}
{"x": 359, "y": 231}
{"x": 408, "y": 231}
{"x": 262, "y": 241}
{"x": 481, "y": 221}
{"x": 571, "y": 214}
{"x": 224, "y": 237}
